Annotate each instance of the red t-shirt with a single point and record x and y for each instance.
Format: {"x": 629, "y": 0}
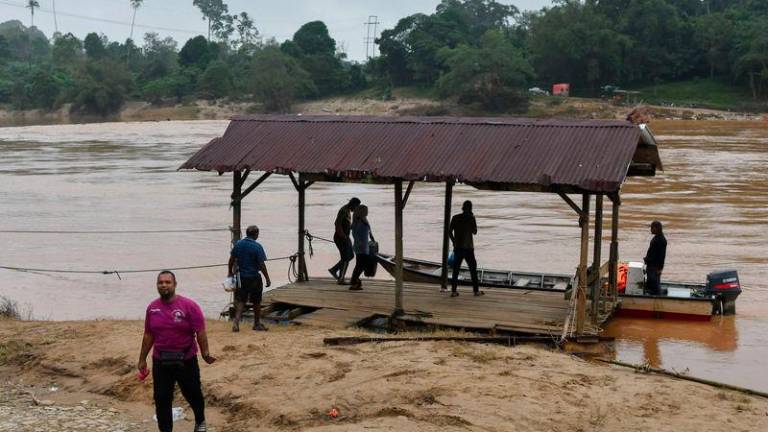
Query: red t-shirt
{"x": 174, "y": 325}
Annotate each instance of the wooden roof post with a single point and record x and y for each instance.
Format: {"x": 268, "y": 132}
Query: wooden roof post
{"x": 614, "y": 257}
{"x": 302, "y": 187}
{"x": 596, "y": 258}
{"x": 398, "y": 247}
{"x": 237, "y": 186}
{"x": 581, "y": 299}
{"x": 446, "y": 228}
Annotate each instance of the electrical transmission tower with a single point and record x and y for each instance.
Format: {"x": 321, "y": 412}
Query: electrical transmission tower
{"x": 371, "y": 29}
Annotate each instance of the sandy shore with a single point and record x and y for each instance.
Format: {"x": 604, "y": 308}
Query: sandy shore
{"x": 581, "y": 108}
{"x": 287, "y": 379}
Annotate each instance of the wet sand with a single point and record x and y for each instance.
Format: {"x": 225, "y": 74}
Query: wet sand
{"x": 286, "y": 379}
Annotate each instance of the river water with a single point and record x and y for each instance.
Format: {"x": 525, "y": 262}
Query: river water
{"x": 712, "y": 198}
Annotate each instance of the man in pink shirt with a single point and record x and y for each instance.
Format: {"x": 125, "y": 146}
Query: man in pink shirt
{"x": 174, "y": 326}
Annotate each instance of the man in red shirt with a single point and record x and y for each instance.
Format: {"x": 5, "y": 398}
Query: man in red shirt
{"x": 175, "y": 327}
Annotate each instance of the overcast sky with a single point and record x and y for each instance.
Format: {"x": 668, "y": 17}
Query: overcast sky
{"x": 181, "y": 20}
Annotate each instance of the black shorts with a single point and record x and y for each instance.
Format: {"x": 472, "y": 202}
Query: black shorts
{"x": 250, "y": 290}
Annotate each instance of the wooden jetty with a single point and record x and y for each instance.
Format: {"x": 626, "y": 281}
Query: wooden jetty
{"x": 499, "y": 310}
{"x": 586, "y": 158}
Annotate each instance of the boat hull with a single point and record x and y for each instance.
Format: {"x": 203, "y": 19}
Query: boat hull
{"x": 640, "y": 306}
{"x": 686, "y": 309}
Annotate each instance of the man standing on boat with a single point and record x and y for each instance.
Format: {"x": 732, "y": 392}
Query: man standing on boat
{"x": 342, "y": 229}
{"x": 463, "y": 227}
{"x": 250, "y": 258}
{"x": 654, "y": 259}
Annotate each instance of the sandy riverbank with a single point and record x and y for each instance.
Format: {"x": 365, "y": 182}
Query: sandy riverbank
{"x": 582, "y": 108}
{"x": 287, "y": 379}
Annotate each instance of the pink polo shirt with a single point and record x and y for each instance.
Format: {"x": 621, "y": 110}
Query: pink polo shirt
{"x": 174, "y": 325}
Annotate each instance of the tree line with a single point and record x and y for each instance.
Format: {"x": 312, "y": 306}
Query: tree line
{"x": 475, "y": 51}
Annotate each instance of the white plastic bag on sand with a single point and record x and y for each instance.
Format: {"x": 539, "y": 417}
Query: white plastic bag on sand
{"x": 177, "y": 414}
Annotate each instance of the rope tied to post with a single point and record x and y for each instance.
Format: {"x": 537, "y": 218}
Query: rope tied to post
{"x": 311, "y": 237}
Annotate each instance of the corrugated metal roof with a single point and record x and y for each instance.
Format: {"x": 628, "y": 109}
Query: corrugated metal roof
{"x": 511, "y": 153}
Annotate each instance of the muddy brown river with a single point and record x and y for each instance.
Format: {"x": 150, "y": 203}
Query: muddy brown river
{"x": 712, "y": 198}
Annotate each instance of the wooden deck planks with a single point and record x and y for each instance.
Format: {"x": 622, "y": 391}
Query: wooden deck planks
{"x": 525, "y": 311}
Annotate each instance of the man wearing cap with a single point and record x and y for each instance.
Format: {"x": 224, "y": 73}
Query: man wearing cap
{"x": 249, "y": 257}
{"x": 342, "y": 229}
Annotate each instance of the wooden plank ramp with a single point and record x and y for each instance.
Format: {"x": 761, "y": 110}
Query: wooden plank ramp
{"x": 523, "y": 311}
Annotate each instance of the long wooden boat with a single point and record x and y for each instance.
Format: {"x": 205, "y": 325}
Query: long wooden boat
{"x": 682, "y": 300}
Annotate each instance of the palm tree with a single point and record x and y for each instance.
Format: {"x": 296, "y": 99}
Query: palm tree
{"x": 55, "y": 21}
{"x": 135, "y": 4}
{"x": 32, "y": 4}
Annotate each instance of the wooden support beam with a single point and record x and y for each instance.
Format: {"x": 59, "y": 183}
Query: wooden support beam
{"x": 596, "y": 258}
{"x": 301, "y": 187}
{"x": 573, "y": 205}
{"x": 613, "y": 269}
{"x": 581, "y": 293}
{"x": 293, "y": 180}
{"x": 615, "y": 198}
{"x": 446, "y": 239}
{"x": 237, "y": 198}
{"x": 246, "y": 173}
{"x": 254, "y": 185}
{"x": 408, "y": 192}
{"x": 399, "y": 247}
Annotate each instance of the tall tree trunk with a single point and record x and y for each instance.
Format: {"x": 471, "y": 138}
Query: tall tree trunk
{"x": 209, "y": 29}
{"x": 752, "y": 84}
{"x": 133, "y": 21}
{"x": 55, "y": 19}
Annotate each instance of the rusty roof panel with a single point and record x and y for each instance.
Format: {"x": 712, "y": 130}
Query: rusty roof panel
{"x": 593, "y": 155}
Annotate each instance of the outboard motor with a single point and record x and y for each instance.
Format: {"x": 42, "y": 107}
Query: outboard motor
{"x": 725, "y": 287}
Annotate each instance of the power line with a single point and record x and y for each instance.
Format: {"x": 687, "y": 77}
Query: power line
{"x": 105, "y": 20}
{"x": 113, "y": 231}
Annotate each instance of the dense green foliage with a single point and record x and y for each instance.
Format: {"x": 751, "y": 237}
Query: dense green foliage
{"x": 477, "y": 52}
{"x": 587, "y": 43}
{"x": 96, "y": 76}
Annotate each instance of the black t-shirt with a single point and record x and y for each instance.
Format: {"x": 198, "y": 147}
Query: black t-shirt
{"x": 463, "y": 226}
{"x": 657, "y": 252}
{"x": 343, "y": 220}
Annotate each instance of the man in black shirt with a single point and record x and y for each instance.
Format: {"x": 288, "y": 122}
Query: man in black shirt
{"x": 463, "y": 227}
{"x": 342, "y": 228}
{"x": 654, "y": 259}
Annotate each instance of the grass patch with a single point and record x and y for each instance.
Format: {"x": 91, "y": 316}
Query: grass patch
{"x": 414, "y": 92}
{"x": 16, "y": 352}
{"x": 10, "y": 309}
{"x": 701, "y": 93}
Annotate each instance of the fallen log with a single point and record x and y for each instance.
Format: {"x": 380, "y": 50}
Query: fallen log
{"x": 649, "y": 369}
{"x": 499, "y": 340}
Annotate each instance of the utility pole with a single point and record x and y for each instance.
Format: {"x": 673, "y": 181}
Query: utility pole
{"x": 371, "y": 27}
{"x": 55, "y": 20}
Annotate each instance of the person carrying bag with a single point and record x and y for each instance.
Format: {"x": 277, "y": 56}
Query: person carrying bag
{"x": 365, "y": 247}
